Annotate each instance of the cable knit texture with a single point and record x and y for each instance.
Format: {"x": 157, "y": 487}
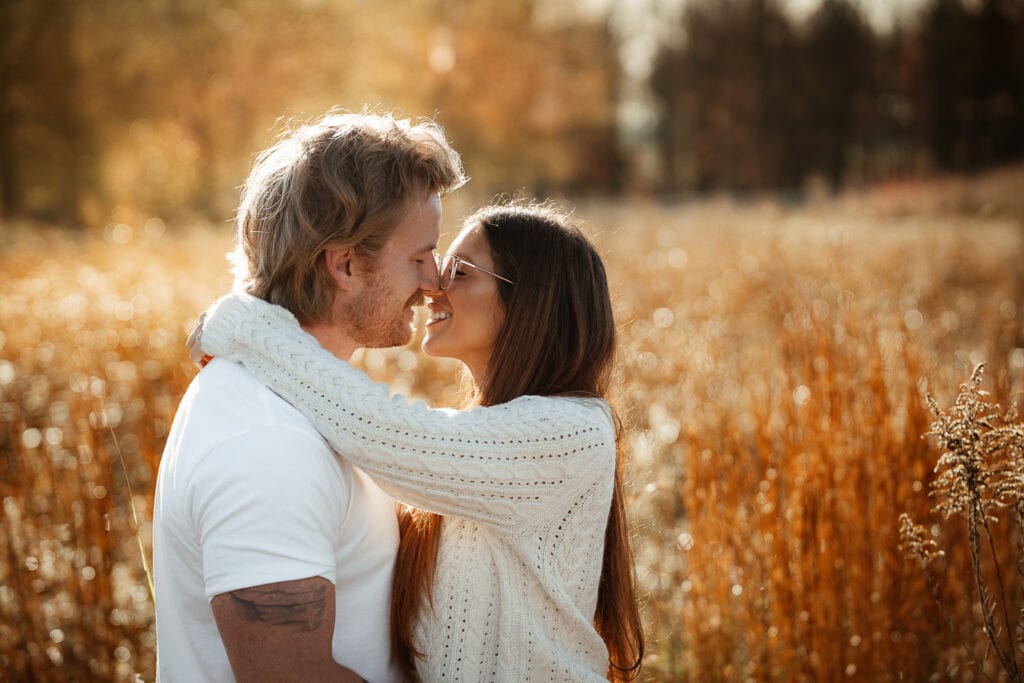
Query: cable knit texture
{"x": 524, "y": 487}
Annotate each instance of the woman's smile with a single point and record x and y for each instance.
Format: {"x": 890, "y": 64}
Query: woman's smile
{"x": 437, "y": 313}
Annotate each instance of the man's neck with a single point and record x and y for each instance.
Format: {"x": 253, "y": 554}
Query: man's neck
{"x": 333, "y": 339}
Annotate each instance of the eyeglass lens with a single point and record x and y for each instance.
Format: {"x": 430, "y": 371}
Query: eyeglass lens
{"x": 445, "y": 270}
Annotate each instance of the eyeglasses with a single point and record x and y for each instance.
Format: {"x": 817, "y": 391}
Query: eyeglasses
{"x": 449, "y": 267}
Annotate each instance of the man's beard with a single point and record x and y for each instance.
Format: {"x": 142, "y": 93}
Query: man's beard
{"x": 374, "y": 321}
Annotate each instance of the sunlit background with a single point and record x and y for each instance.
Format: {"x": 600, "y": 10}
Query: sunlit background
{"x": 114, "y": 109}
{"x": 812, "y": 215}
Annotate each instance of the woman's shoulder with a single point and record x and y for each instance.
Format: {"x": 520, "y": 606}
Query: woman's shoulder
{"x": 562, "y": 402}
{"x": 583, "y": 410}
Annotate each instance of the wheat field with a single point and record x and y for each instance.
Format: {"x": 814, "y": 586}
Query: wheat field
{"x": 774, "y": 359}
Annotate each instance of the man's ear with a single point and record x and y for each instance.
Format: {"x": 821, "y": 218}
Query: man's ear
{"x": 339, "y": 264}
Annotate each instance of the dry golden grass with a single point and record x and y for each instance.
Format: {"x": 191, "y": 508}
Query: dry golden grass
{"x": 773, "y": 367}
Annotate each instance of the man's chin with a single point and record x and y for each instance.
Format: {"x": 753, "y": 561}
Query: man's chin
{"x": 399, "y": 338}
{"x": 404, "y": 335}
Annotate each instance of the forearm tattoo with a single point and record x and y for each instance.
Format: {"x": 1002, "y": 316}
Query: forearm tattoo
{"x": 301, "y": 606}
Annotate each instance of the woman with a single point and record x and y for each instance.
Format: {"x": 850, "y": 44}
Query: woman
{"x": 514, "y": 562}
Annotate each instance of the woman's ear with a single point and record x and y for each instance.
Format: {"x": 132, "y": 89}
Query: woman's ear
{"x": 339, "y": 264}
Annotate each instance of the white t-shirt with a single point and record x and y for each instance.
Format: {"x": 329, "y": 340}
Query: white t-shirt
{"x": 248, "y": 493}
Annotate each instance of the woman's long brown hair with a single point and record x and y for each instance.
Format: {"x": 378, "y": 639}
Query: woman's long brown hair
{"x": 558, "y": 338}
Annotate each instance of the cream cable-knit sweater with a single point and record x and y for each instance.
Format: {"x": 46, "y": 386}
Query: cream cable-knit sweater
{"x": 524, "y": 487}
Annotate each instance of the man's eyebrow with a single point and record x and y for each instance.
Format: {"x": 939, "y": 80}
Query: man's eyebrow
{"x": 432, "y": 247}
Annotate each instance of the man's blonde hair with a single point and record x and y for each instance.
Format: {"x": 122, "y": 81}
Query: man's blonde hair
{"x": 342, "y": 181}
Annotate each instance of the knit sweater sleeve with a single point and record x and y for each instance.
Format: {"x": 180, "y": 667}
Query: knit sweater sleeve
{"x": 507, "y": 465}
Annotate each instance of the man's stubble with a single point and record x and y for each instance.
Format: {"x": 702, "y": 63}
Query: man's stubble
{"x": 374, "y": 319}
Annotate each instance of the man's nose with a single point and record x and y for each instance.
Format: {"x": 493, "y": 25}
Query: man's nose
{"x": 430, "y": 276}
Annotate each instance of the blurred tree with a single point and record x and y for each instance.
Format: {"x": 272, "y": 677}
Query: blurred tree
{"x": 728, "y": 93}
{"x": 947, "y": 43}
{"x": 838, "y": 54}
{"x": 528, "y": 91}
{"x": 192, "y": 88}
{"x": 46, "y": 144}
{"x": 159, "y": 105}
{"x": 999, "y": 83}
{"x": 138, "y": 103}
{"x": 12, "y": 43}
{"x": 892, "y": 136}
{"x": 751, "y": 101}
{"x": 972, "y": 86}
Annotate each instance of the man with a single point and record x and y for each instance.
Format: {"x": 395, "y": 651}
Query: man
{"x": 273, "y": 557}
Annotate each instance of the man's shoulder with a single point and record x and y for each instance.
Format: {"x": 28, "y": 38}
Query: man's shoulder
{"x": 226, "y": 402}
{"x": 227, "y": 378}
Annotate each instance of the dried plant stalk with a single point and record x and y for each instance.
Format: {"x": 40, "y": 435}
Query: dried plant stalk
{"x": 979, "y": 479}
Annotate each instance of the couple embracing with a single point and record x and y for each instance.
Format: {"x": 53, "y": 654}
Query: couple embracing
{"x": 309, "y": 526}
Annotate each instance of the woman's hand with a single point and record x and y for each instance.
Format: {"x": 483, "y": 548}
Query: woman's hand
{"x": 195, "y": 346}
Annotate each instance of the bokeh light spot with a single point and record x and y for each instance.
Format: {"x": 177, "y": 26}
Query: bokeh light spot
{"x": 121, "y": 233}
{"x": 6, "y": 372}
{"x": 663, "y": 317}
{"x": 31, "y": 438}
{"x": 913, "y": 319}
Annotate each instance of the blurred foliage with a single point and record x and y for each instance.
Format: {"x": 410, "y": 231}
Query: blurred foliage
{"x": 159, "y": 106}
{"x": 111, "y": 110}
{"x": 830, "y": 99}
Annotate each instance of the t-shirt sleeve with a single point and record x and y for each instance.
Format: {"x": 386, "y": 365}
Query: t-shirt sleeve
{"x": 268, "y": 506}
